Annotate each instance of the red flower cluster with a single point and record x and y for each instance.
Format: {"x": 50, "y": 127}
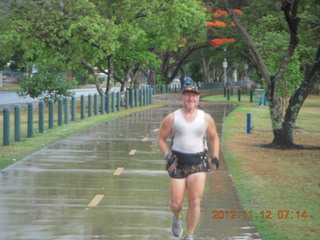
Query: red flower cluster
{"x": 237, "y": 11}
{"x": 219, "y": 41}
{"x": 219, "y": 13}
{"x": 216, "y": 24}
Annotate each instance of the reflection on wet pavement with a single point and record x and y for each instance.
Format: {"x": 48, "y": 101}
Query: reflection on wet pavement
{"x": 108, "y": 182}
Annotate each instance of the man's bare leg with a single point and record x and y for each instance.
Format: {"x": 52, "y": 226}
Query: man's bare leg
{"x": 177, "y": 190}
{"x": 195, "y": 187}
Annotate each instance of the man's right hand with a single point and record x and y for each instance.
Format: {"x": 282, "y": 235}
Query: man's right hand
{"x": 172, "y": 163}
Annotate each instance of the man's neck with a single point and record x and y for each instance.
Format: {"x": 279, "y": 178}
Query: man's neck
{"x": 189, "y": 111}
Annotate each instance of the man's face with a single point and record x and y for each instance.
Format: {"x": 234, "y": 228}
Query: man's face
{"x": 190, "y": 100}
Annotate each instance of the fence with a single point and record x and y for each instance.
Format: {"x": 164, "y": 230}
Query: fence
{"x": 67, "y": 110}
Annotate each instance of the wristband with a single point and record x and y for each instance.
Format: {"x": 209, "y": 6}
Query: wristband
{"x": 215, "y": 161}
{"x": 166, "y": 155}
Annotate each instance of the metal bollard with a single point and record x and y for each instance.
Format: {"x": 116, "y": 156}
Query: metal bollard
{"x": 60, "y": 103}
{"x": 145, "y": 95}
{"x": 66, "y": 111}
{"x": 132, "y": 98}
{"x": 51, "y": 114}
{"x": 95, "y": 104}
{"x": 30, "y": 120}
{"x": 118, "y": 101}
{"x": 103, "y": 103}
{"x": 151, "y": 96}
{"x": 17, "y": 123}
{"x": 73, "y": 109}
{"x": 107, "y": 102}
{"x": 248, "y": 123}
{"x": 127, "y": 99}
{"x": 41, "y": 117}
{"x": 89, "y": 105}
{"x": 141, "y": 97}
{"x": 113, "y": 102}
{"x": 82, "y": 107}
{"x": 136, "y": 97}
{"x": 6, "y": 126}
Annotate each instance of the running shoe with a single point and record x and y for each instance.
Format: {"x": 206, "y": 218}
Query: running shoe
{"x": 177, "y": 227}
{"x": 189, "y": 237}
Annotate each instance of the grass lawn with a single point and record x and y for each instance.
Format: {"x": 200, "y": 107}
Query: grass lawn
{"x": 280, "y": 187}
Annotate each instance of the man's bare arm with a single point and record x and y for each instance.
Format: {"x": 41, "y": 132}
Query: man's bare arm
{"x": 213, "y": 136}
{"x": 165, "y": 131}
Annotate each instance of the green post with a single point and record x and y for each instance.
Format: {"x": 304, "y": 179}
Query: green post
{"x": 60, "y": 105}
{"x": 6, "y": 126}
{"x": 103, "y": 103}
{"x": 30, "y": 120}
{"x": 136, "y": 97}
{"x": 150, "y": 95}
{"x": 95, "y": 104}
{"x": 73, "y": 108}
{"x": 239, "y": 94}
{"x": 145, "y": 96}
{"x": 41, "y": 117}
{"x": 82, "y": 107}
{"x": 66, "y": 111}
{"x": 118, "y": 101}
{"x": 113, "y": 102}
{"x": 107, "y": 103}
{"x": 89, "y": 105}
{"x": 127, "y": 99}
{"x": 132, "y": 98}
{"x": 17, "y": 123}
{"x": 141, "y": 97}
{"x": 51, "y": 114}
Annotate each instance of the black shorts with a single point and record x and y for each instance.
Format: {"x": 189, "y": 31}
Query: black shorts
{"x": 189, "y": 164}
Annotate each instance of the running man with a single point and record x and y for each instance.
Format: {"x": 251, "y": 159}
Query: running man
{"x": 187, "y": 161}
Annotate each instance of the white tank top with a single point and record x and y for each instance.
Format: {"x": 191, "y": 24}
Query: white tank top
{"x": 189, "y": 137}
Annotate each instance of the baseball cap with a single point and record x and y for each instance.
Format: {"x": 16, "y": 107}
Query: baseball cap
{"x": 190, "y": 89}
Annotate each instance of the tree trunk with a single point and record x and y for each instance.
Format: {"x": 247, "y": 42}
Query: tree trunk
{"x": 137, "y": 80}
{"x": 283, "y": 137}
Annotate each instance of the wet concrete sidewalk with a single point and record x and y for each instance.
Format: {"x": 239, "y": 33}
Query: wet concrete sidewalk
{"x": 108, "y": 182}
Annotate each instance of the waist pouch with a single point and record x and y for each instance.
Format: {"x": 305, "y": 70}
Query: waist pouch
{"x": 190, "y": 158}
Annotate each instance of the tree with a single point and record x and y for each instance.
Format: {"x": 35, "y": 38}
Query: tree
{"x": 49, "y": 83}
{"x": 122, "y": 35}
{"x": 282, "y": 125}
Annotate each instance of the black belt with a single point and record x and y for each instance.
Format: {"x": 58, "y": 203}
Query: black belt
{"x": 190, "y": 158}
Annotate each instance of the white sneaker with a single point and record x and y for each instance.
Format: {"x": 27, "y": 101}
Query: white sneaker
{"x": 177, "y": 227}
{"x": 189, "y": 237}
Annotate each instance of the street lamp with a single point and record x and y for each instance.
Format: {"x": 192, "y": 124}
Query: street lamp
{"x": 246, "y": 66}
{"x": 225, "y": 65}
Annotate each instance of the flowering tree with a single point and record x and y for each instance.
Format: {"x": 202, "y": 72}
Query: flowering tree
{"x": 282, "y": 125}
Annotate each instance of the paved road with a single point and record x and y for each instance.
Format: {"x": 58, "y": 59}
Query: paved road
{"x": 108, "y": 182}
{"x": 10, "y": 98}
